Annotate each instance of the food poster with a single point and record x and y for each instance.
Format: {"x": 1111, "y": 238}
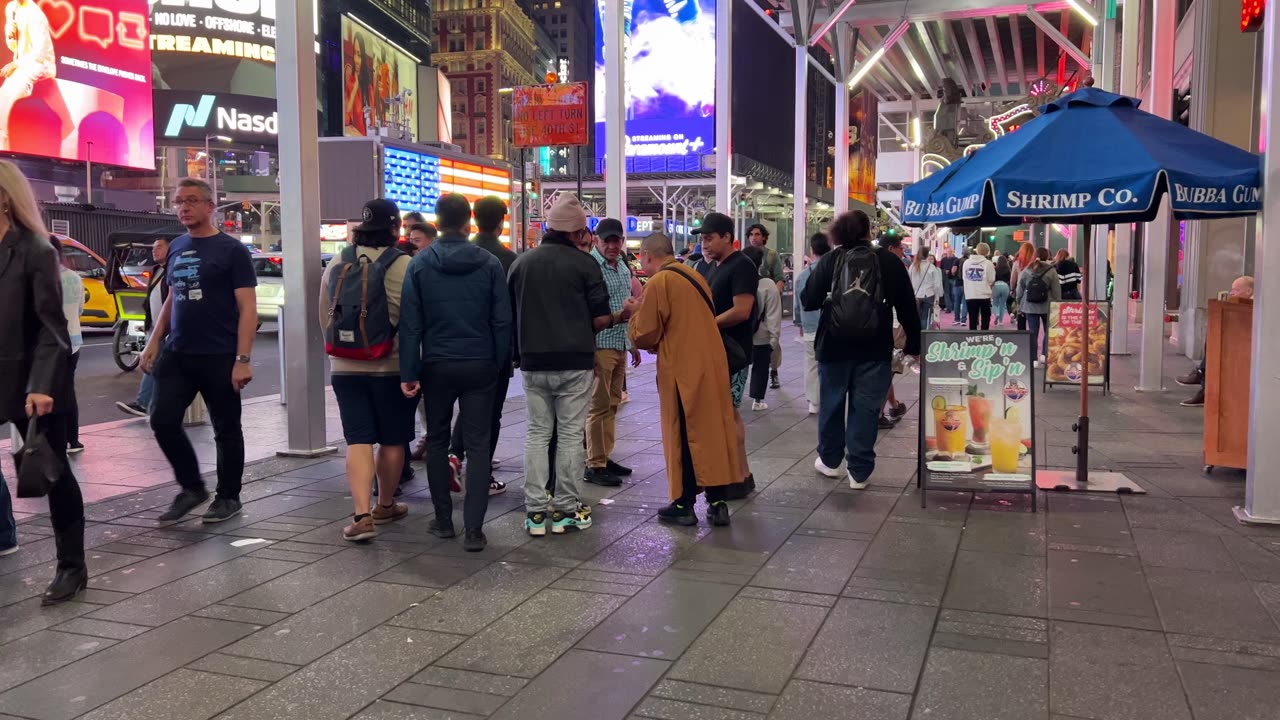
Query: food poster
{"x": 1068, "y": 357}
{"x": 977, "y": 411}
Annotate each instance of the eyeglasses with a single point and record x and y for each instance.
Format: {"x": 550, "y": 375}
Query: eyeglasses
{"x": 188, "y": 202}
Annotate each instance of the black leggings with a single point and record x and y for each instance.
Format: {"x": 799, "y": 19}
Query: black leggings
{"x": 976, "y": 308}
{"x": 73, "y": 405}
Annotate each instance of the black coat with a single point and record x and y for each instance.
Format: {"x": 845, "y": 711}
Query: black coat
{"x": 36, "y": 347}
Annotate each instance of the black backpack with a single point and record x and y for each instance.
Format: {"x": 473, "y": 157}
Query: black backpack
{"x": 1037, "y": 288}
{"x": 359, "y": 316}
{"x": 857, "y": 296}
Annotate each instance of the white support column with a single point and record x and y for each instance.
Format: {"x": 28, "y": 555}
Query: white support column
{"x": 844, "y": 73}
{"x": 724, "y": 114}
{"x": 1262, "y": 485}
{"x": 1130, "y": 44}
{"x": 299, "y": 218}
{"x": 615, "y": 111}
{"x": 799, "y": 179}
{"x": 1155, "y": 247}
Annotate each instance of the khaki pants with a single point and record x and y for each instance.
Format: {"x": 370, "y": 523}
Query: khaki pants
{"x": 602, "y": 412}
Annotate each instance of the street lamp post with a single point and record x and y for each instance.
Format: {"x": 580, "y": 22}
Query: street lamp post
{"x": 210, "y": 167}
{"x": 88, "y": 172}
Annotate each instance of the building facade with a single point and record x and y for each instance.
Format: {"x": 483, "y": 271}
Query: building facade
{"x": 569, "y": 23}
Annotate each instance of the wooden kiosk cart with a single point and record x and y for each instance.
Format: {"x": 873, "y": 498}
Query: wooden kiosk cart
{"x": 1228, "y": 361}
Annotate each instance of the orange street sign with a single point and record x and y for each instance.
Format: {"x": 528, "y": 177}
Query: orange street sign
{"x": 550, "y": 115}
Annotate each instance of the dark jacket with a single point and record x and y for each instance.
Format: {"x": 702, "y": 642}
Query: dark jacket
{"x": 490, "y": 242}
{"x": 898, "y": 295}
{"x": 36, "y": 347}
{"x": 454, "y": 306}
{"x": 557, "y": 291}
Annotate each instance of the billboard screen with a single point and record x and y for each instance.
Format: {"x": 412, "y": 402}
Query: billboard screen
{"x": 864, "y": 124}
{"x": 77, "y": 81}
{"x": 379, "y": 84}
{"x": 182, "y": 115}
{"x": 416, "y": 180}
{"x": 670, "y": 74}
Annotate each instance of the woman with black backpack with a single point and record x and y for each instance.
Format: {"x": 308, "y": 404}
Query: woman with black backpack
{"x": 1038, "y": 286}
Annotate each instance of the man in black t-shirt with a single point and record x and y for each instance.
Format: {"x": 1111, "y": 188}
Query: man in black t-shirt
{"x": 733, "y": 281}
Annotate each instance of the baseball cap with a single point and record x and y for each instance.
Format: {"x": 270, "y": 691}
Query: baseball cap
{"x": 715, "y": 222}
{"x": 379, "y": 214}
{"x": 567, "y": 215}
{"x": 609, "y": 228}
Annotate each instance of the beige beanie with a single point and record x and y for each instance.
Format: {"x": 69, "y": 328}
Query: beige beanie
{"x": 567, "y": 215}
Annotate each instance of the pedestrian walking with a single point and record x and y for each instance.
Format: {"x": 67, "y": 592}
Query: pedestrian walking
{"x": 1000, "y": 291}
{"x": 808, "y": 320}
{"x": 201, "y": 344}
{"x": 560, "y": 302}
{"x": 855, "y": 344}
{"x": 157, "y": 293}
{"x": 926, "y": 280}
{"x": 72, "y": 308}
{"x": 360, "y": 311}
{"x": 1038, "y": 285}
{"x": 34, "y": 379}
{"x": 768, "y": 329}
{"x": 1025, "y": 258}
{"x": 770, "y": 267}
{"x": 456, "y": 333}
{"x": 733, "y": 280}
{"x": 1068, "y": 274}
{"x": 612, "y": 351}
{"x": 677, "y": 321}
{"x": 979, "y": 276}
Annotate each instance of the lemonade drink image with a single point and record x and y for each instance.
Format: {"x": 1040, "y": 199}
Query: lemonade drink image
{"x": 979, "y": 414}
{"x": 1017, "y": 406}
{"x": 950, "y": 416}
{"x": 1006, "y": 444}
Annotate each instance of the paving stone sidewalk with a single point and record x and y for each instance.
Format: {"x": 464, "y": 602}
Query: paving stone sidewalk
{"x": 818, "y": 602}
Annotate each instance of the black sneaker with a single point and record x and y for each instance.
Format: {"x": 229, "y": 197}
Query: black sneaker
{"x": 442, "y": 530}
{"x": 131, "y": 408}
{"x": 185, "y": 502}
{"x": 474, "y": 541}
{"x": 718, "y": 513}
{"x": 773, "y": 380}
{"x": 221, "y": 509}
{"x": 677, "y": 514}
{"x": 617, "y": 469}
{"x": 602, "y": 476}
{"x": 886, "y": 423}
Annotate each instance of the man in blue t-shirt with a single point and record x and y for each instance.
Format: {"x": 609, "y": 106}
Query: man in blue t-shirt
{"x": 201, "y": 344}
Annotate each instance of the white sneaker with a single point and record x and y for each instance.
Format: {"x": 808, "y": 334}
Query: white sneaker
{"x": 813, "y": 409}
{"x": 1037, "y": 364}
{"x": 758, "y": 405}
{"x": 855, "y": 485}
{"x": 822, "y": 469}
{"x": 626, "y": 398}
{"x": 9, "y": 551}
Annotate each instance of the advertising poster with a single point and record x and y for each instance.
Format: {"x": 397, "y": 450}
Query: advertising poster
{"x": 76, "y": 81}
{"x": 864, "y": 122}
{"x": 550, "y": 115}
{"x": 380, "y": 83}
{"x": 671, "y": 77}
{"x": 977, "y": 412}
{"x": 1068, "y": 358}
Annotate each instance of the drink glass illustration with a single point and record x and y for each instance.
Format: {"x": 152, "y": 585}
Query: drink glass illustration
{"x": 1006, "y": 442}
{"x": 979, "y": 415}
{"x": 950, "y": 415}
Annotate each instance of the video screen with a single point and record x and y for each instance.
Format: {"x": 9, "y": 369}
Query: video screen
{"x": 75, "y": 81}
{"x": 380, "y": 85}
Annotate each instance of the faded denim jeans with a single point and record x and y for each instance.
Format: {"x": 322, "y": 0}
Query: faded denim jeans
{"x": 555, "y": 400}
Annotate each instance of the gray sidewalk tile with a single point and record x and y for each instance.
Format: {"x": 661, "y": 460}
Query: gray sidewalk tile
{"x": 102, "y": 628}
{"x": 476, "y": 703}
{"x": 1101, "y": 588}
{"x": 322, "y": 579}
{"x": 861, "y": 512}
{"x": 998, "y": 583}
{"x": 1102, "y": 672}
{"x": 585, "y": 685}
{"x": 662, "y": 620}
{"x": 468, "y": 680}
{"x": 808, "y": 700}
{"x": 387, "y": 710}
{"x": 1213, "y": 604}
{"x": 870, "y": 644}
{"x": 961, "y": 685}
{"x": 467, "y": 607}
{"x": 808, "y": 564}
{"x": 435, "y": 571}
{"x": 182, "y": 597}
{"x": 243, "y": 667}
{"x": 43, "y": 652}
{"x": 1183, "y": 550}
{"x": 751, "y": 702}
{"x": 153, "y": 572}
{"x": 911, "y": 553}
{"x": 26, "y": 617}
{"x": 1022, "y": 533}
{"x": 1218, "y": 692}
{"x": 185, "y": 694}
{"x": 664, "y": 709}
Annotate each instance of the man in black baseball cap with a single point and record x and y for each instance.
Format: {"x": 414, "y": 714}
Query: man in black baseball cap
{"x": 380, "y": 214}
{"x": 608, "y": 229}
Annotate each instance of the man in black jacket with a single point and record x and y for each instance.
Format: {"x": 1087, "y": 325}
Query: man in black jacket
{"x": 455, "y": 338}
{"x": 854, "y": 379}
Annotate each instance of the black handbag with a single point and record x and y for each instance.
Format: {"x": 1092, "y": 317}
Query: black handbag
{"x": 737, "y": 357}
{"x": 37, "y": 466}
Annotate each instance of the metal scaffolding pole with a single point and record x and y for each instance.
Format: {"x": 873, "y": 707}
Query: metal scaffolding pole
{"x": 615, "y": 111}
{"x": 724, "y": 116}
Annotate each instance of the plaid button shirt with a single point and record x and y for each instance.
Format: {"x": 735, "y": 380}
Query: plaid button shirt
{"x": 618, "y": 279}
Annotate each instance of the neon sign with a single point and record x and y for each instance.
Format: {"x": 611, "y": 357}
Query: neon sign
{"x": 1251, "y": 15}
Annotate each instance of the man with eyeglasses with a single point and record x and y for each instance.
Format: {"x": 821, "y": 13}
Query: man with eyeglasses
{"x": 201, "y": 344}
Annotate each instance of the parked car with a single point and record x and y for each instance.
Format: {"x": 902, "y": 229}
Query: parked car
{"x": 99, "y": 305}
{"x": 269, "y": 267}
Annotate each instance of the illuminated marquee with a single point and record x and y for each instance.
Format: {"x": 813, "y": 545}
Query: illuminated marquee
{"x": 230, "y": 28}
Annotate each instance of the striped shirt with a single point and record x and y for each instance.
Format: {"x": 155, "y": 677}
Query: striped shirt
{"x": 617, "y": 278}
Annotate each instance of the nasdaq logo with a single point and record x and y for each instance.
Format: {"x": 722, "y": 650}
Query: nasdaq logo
{"x": 196, "y": 116}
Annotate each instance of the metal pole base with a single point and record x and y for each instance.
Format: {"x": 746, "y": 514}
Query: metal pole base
{"x": 1108, "y": 482}
{"x": 1244, "y": 517}
{"x": 1139, "y": 388}
{"x": 318, "y": 452}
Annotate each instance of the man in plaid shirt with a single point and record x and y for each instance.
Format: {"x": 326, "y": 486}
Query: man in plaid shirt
{"x": 612, "y": 347}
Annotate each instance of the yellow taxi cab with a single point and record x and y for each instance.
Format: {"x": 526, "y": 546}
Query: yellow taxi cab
{"x": 99, "y": 305}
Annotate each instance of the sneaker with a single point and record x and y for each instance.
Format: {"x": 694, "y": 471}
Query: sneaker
{"x": 535, "y": 523}
{"x": 474, "y": 541}
{"x": 855, "y": 484}
{"x": 382, "y": 514}
{"x": 1192, "y": 378}
{"x": 886, "y": 423}
{"x": 718, "y": 513}
{"x": 362, "y": 529}
{"x": 455, "y": 474}
{"x": 496, "y": 487}
{"x": 1037, "y": 364}
{"x": 617, "y": 468}
{"x": 562, "y": 522}
{"x": 897, "y": 411}
{"x": 602, "y": 476}
{"x": 677, "y": 514}
{"x": 830, "y": 472}
{"x": 773, "y": 380}
{"x": 442, "y": 530}
{"x": 131, "y": 408}
{"x": 75, "y": 448}
{"x": 185, "y": 502}
{"x": 221, "y": 510}
{"x": 758, "y": 405}
{"x": 626, "y": 398}
{"x": 813, "y": 409}
{"x": 9, "y": 550}
{"x": 1196, "y": 400}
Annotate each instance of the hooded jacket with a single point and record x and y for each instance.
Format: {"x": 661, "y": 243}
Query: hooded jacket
{"x": 454, "y": 307}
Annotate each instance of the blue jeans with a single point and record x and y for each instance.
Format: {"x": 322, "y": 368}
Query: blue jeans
{"x": 925, "y": 307}
{"x": 557, "y": 404}
{"x": 1035, "y": 323}
{"x": 146, "y": 390}
{"x": 958, "y": 307}
{"x": 1000, "y": 300}
{"x": 851, "y": 427}
{"x": 8, "y": 527}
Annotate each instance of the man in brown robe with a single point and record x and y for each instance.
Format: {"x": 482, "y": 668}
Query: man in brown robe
{"x": 676, "y": 321}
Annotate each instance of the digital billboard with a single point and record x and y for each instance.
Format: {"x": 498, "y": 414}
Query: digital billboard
{"x": 670, "y": 77}
{"x": 228, "y": 28}
{"x": 183, "y": 115}
{"x": 416, "y": 180}
{"x": 76, "y": 81}
{"x": 379, "y": 84}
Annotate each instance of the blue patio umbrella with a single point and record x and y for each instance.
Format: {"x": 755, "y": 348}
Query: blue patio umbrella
{"x": 1091, "y": 157}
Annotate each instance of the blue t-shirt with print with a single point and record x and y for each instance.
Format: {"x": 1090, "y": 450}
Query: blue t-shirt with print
{"x": 203, "y": 275}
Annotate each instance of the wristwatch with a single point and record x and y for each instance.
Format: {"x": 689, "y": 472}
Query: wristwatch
{"x": 242, "y": 359}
